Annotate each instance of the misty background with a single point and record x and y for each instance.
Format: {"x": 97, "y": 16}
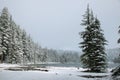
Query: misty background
{"x": 56, "y": 23}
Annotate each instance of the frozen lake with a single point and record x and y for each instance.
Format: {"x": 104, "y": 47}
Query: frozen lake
{"x": 57, "y": 65}
{"x": 110, "y": 65}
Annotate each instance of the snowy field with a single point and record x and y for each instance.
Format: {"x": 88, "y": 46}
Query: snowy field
{"x": 54, "y": 73}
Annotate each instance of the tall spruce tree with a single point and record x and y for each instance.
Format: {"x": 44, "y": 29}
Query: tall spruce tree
{"x": 12, "y": 57}
{"x": 93, "y": 45}
{"x": 5, "y": 29}
{"x": 14, "y": 44}
{"x": 116, "y": 71}
{"x": 25, "y": 47}
{"x": 118, "y": 58}
{"x": 118, "y": 33}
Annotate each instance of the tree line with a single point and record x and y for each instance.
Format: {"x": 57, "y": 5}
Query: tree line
{"x": 16, "y": 46}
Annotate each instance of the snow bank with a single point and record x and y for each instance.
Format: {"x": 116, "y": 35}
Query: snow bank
{"x": 4, "y": 66}
{"x": 8, "y": 65}
{"x": 54, "y": 73}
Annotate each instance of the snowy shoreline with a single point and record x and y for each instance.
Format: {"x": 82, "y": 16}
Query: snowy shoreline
{"x": 54, "y": 73}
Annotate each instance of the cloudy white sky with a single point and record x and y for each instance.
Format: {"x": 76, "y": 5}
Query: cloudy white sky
{"x": 56, "y": 23}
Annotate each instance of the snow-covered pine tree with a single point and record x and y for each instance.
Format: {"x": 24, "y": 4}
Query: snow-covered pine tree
{"x": 93, "y": 57}
{"x": 12, "y": 58}
{"x": 30, "y": 48}
{"x": 5, "y": 29}
{"x": 118, "y": 58}
{"x": 25, "y": 47}
{"x": 118, "y": 33}
{"x": 116, "y": 71}
{"x": 36, "y": 52}
{"x": 1, "y": 54}
{"x": 18, "y": 43}
{"x": 44, "y": 55}
{"x": 15, "y": 43}
{"x": 40, "y": 52}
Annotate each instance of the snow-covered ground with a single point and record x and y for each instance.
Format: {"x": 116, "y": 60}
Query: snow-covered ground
{"x": 54, "y": 73}
{"x": 4, "y": 66}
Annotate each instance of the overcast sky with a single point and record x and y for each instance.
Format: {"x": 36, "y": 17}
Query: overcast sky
{"x": 56, "y": 23}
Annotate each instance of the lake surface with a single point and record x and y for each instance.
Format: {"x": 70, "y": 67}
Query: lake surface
{"x": 110, "y": 65}
{"x": 57, "y": 65}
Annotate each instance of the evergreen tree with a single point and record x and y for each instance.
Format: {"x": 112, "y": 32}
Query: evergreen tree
{"x": 116, "y": 71}
{"x": 18, "y": 43}
{"x": 12, "y": 56}
{"x": 5, "y": 29}
{"x": 30, "y": 50}
{"x": 94, "y": 57}
{"x": 25, "y": 47}
{"x": 15, "y": 48}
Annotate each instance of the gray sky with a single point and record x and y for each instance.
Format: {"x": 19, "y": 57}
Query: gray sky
{"x": 56, "y": 23}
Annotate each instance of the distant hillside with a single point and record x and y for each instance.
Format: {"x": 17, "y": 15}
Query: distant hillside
{"x": 112, "y": 53}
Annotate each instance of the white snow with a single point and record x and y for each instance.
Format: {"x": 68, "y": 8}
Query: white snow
{"x": 4, "y": 66}
{"x": 8, "y": 65}
{"x": 54, "y": 73}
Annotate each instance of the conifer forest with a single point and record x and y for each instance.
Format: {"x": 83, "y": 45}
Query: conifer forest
{"x": 72, "y": 45}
